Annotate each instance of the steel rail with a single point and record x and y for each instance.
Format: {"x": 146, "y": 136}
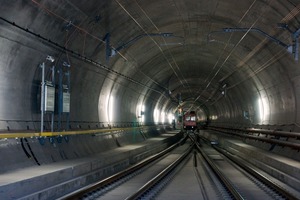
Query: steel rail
{"x": 263, "y": 131}
{"x": 81, "y": 192}
{"x": 258, "y": 175}
{"x": 160, "y": 176}
{"x": 268, "y": 140}
{"x": 228, "y": 185}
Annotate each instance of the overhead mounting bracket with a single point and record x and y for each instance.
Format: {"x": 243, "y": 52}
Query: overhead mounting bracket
{"x": 293, "y": 49}
{"x": 110, "y": 52}
{"x": 229, "y": 30}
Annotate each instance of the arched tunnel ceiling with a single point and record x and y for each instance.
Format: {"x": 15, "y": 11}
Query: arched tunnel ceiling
{"x": 170, "y": 47}
{"x": 200, "y": 49}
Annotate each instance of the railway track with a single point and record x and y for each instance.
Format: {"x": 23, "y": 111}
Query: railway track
{"x": 186, "y": 171}
{"x": 240, "y": 178}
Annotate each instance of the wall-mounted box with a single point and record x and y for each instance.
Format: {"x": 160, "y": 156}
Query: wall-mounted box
{"x": 49, "y": 98}
{"x": 66, "y": 102}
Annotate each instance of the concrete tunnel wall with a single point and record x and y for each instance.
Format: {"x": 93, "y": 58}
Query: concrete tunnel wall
{"x": 94, "y": 86}
{"x": 90, "y": 88}
{"x": 267, "y": 101}
{"x": 20, "y": 77}
{"x": 21, "y": 153}
{"x": 268, "y": 90}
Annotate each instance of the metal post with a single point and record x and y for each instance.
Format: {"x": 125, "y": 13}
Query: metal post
{"x": 296, "y": 53}
{"x": 60, "y": 96}
{"x": 68, "y": 90}
{"x": 107, "y": 46}
{"x": 53, "y": 83}
{"x": 296, "y": 44}
{"x": 42, "y": 96}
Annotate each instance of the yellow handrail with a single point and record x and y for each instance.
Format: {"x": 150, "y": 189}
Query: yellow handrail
{"x": 61, "y": 133}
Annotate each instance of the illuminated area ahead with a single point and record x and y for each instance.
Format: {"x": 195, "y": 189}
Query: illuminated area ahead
{"x": 132, "y": 62}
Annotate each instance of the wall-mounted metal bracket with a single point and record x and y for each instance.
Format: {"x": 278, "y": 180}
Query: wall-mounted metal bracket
{"x": 293, "y": 49}
{"x": 68, "y": 26}
{"x": 106, "y": 39}
{"x": 110, "y": 52}
{"x": 295, "y": 36}
{"x": 229, "y": 30}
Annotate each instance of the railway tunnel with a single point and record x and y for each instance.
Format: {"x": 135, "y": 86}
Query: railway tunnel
{"x": 80, "y": 78}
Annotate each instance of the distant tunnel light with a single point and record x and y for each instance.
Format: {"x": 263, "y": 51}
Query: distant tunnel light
{"x": 163, "y": 117}
{"x": 107, "y": 108}
{"x": 111, "y": 108}
{"x": 214, "y": 117}
{"x": 263, "y": 109}
{"x": 143, "y": 113}
{"x": 170, "y": 117}
{"x": 156, "y": 115}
